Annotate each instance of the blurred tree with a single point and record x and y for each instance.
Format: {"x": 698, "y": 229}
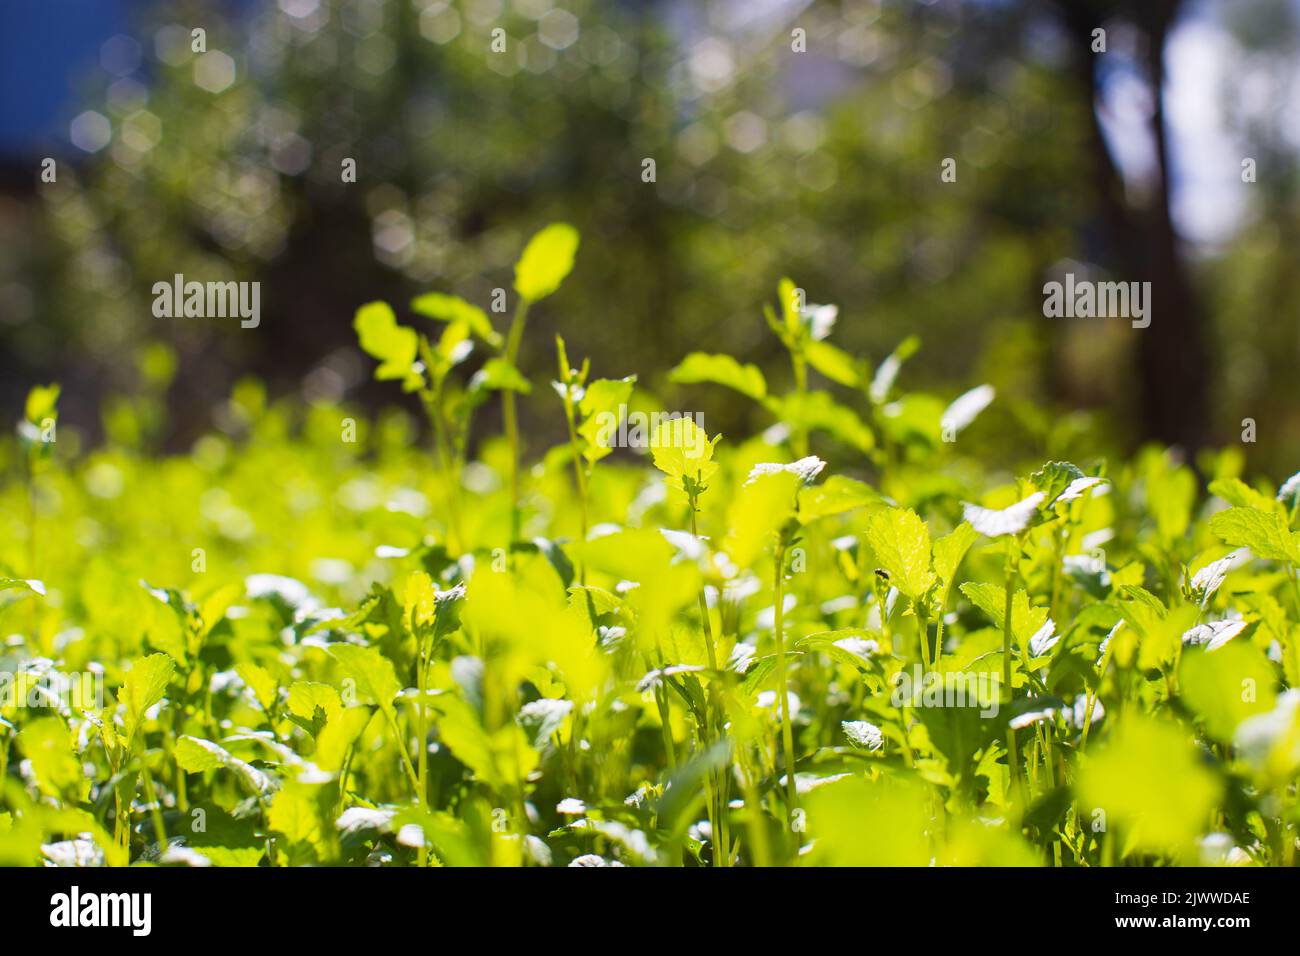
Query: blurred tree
{"x": 820, "y": 160}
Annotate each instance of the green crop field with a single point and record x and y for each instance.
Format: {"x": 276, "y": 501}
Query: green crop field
{"x": 318, "y": 639}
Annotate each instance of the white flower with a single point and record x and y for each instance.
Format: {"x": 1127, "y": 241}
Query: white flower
{"x": 1012, "y": 520}
{"x": 819, "y": 320}
{"x": 1214, "y": 634}
{"x": 805, "y": 469}
{"x": 860, "y": 646}
{"x": 1031, "y": 717}
{"x": 1207, "y": 580}
{"x": 1289, "y": 493}
{"x": 1258, "y": 736}
{"x": 355, "y": 819}
{"x": 1044, "y": 640}
{"x": 571, "y": 807}
{"x": 591, "y": 859}
{"x": 965, "y": 408}
{"x": 1076, "y": 488}
{"x": 863, "y": 734}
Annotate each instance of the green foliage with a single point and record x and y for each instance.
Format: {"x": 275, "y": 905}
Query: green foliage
{"x": 811, "y": 638}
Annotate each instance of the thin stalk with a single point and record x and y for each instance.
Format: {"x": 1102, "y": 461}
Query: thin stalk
{"x": 513, "y": 338}
{"x": 343, "y": 780}
{"x": 155, "y": 806}
{"x": 938, "y": 636}
{"x": 1013, "y": 756}
{"x": 800, "y": 434}
{"x": 754, "y": 813}
{"x": 717, "y": 787}
{"x": 422, "y": 736}
{"x": 923, "y": 634}
{"x": 411, "y": 775}
{"x": 579, "y": 473}
{"x": 783, "y": 687}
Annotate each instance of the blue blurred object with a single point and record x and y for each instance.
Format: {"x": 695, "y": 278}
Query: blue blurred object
{"x": 47, "y": 47}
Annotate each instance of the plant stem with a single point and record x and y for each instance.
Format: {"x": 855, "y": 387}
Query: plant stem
{"x": 155, "y": 806}
{"x": 579, "y": 473}
{"x": 782, "y": 681}
{"x": 800, "y": 434}
{"x": 1013, "y": 757}
{"x": 717, "y": 796}
{"x": 513, "y": 339}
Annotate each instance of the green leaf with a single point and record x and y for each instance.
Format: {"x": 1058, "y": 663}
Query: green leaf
{"x": 836, "y": 495}
{"x": 603, "y": 406}
{"x": 992, "y": 598}
{"x": 1226, "y": 686}
{"x": 1266, "y": 533}
{"x": 1054, "y": 477}
{"x": 197, "y": 755}
{"x": 47, "y": 743}
{"x": 394, "y": 346}
{"x": 372, "y": 672}
{"x": 1150, "y": 779}
{"x": 817, "y": 411}
{"x": 499, "y": 375}
{"x": 836, "y": 364}
{"x": 42, "y": 403}
{"x": 756, "y": 512}
{"x": 545, "y": 262}
{"x": 721, "y": 370}
{"x": 18, "y": 584}
{"x": 259, "y": 680}
{"x": 454, "y": 309}
{"x": 950, "y": 549}
{"x": 308, "y": 697}
{"x": 1239, "y": 494}
{"x": 1170, "y": 494}
{"x": 901, "y": 543}
{"x": 683, "y": 451}
{"x": 143, "y": 686}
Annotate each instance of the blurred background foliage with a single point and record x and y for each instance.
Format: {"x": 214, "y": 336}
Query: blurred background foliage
{"x": 822, "y": 164}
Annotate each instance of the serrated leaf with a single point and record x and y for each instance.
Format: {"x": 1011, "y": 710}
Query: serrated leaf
{"x": 1054, "y": 477}
{"x": 901, "y": 543}
{"x": 144, "y": 685}
{"x": 836, "y": 495}
{"x": 260, "y": 681}
{"x": 1239, "y": 494}
{"x": 372, "y": 672}
{"x": 307, "y": 697}
{"x": 197, "y": 755}
{"x": 683, "y": 452}
{"x": 1266, "y": 533}
{"x": 950, "y": 549}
